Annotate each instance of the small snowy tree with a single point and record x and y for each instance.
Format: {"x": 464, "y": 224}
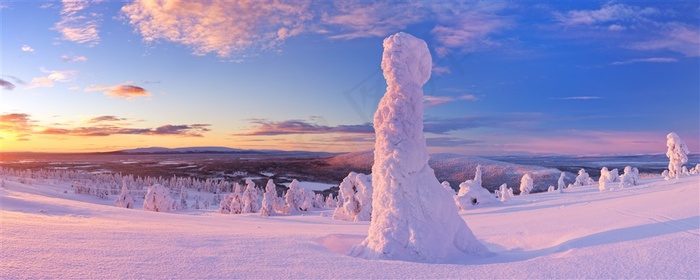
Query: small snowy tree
{"x": 355, "y": 195}
{"x": 472, "y": 193}
{"x": 307, "y": 199}
{"x": 525, "y": 184}
{"x": 583, "y": 179}
{"x": 157, "y": 199}
{"x": 293, "y": 198}
{"x": 183, "y": 198}
{"x": 331, "y": 202}
{"x": 235, "y": 201}
{"x": 560, "y": 183}
{"x": 124, "y": 200}
{"x": 606, "y": 176}
{"x": 628, "y": 178}
{"x": 677, "y": 154}
{"x": 250, "y": 198}
{"x": 504, "y": 193}
{"x": 695, "y": 170}
{"x": 269, "y": 197}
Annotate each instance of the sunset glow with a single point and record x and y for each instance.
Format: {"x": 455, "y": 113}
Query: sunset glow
{"x": 508, "y": 77}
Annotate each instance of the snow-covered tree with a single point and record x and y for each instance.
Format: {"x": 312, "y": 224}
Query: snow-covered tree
{"x": 269, "y": 197}
{"x": 294, "y": 198}
{"x": 551, "y": 189}
{"x": 560, "y": 183}
{"x": 225, "y": 204}
{"x": 607, "y": 176}
{"x": 124, "y": 200}
{"x": 319, "y": 202}
{"x": 355, "y": 193}
{"x": 695, "y": 170}
{"x": 307, "y": 199}
{"x": 472, "y": 193}
{"x": 525, "y": 184}
{"x": 413, "y": 218}
{"x": 235, "y": 200}
{"x": 196, "y": 204}
{"x": 331, "y": 202}
{"x": 583, "y": 179}
{"x": 183, "y": 198}
{"x": 629, "y": 178}
{"x": 157, "y": 199}
{"x": 505, "y": 193}
{"x": 250, "y": 198}
{"x": 677, "y": 154}
{"x": 666, "y": 175}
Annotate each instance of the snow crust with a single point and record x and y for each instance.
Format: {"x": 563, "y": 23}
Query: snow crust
{"x": 413, "y": 217}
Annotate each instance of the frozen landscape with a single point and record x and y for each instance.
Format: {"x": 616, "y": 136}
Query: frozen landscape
{"x": 648, "y": 231}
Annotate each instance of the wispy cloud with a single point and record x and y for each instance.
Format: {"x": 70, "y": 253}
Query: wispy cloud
{"x": 23, "y": 126}
{"x": 61, "y": 76}
{"x": 6, "y": 85}
{"x": 76, "y": 25}
{"x": 27, "y": 48}
{"x": 577, "y": 98}
{"x": 654, "y": 29}
{"x": 432, "y": 101}
{"x": 646, "y": 60}
{"x": 121, "y": 91}
{"x": 73, "y": 58}
{"x": 269, "y": 128}
{"x": 371, "y": 19}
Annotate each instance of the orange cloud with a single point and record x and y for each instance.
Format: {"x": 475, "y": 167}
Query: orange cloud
{"x": 121, "y": 91}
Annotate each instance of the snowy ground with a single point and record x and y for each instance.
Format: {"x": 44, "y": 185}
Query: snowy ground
{"x": 648, "y": 231}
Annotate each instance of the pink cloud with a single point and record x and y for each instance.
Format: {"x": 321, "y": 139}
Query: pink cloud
{"x": 76, "y": 26}
{"x": 121, "y": 91}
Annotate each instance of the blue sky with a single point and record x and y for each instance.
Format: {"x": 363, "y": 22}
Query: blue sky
{"x": 582, "y": 77}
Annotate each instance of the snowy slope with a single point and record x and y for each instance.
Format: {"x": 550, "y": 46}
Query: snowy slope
{"x": 648, "y": 231}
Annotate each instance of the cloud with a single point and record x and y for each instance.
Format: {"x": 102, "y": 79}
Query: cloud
{"x": 194, "y": 130}
{"x": 577, "y": 98}
{"x": 17, "y": 80}
{"x": 18, "y": 124}
{"x": 269, "y": 128}
{"x": 439, "y": 70}
{"x": 6, "y": 85}
{"x": 517, "y": 121}
{"x": 121, "y": 91}
{"x": 105, "y": 119}
{"x": 647, "y": 60}
{"x": 674, "y": 36}
{"x": 432, "y": 101}
{"x": 76, "y": 25}
{"x": 467, "y": 34}
{"x": 73, "y": 58}
{"x": 27, "y": 48}
{"x": 53, "y": 76}
{"x": 208, "y": 26}
{"x": 608, "y": 13}
{"x": 371, "y": 19}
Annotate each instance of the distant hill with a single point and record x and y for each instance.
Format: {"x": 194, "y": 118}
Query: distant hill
{"x": 221, "y": 150}
{"x": 456, "y": 168}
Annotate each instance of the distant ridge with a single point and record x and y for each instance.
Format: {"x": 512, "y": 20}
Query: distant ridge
{"x": 217, "y": 150}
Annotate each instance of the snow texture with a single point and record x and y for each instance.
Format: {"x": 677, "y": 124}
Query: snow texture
{"x": 413, "y": 216}
{"x": 677, "y": 154}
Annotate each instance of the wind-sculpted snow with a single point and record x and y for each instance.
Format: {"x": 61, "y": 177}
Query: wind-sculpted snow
{"x": 413, "y": 216}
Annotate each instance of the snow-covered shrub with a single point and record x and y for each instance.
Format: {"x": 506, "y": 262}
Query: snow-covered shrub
{"x": 505, "y": 193}
{"x": 294, "y": 198}
{"x": 583, "y": 179}
{"x": 607, "y": 176}
{"x": 250, "y": 198}
{"x": 355, "y": 195}
{"x": 677, "y": 154}
{"x": 235, "y": 200}
{"x": 685, "y": 171}
{"x": 525, "y": 184}
{"x": 157, "y": 199}
{"x": 695, "y": 170}
{"x": 472, "y": 193}
{"x": 630, "y": 177}
{"x": 124, "y": 200}
{"x": 269, "y": 197}
{"x": 560, "y": 183}
{"x": 666, "y": 175}
{"x": 551, "y": 189}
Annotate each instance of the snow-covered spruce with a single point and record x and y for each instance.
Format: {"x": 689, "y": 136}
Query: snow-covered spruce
{"x": 471, "y": 193}
{"x": 124, "y": 200}
{"x": 560, "y": 183}
{"x": 355, "y": 192}
{"x": 413, "y": 217}
{"x": 677, "y": 154}
{"x": 250, "y": 198}
{"x": 583, "y": 179}
{"x": 607, "y": 176}
{"x": 294, "y": 198}
{"x": 505, "y": 193}
{"x": 158, "y": 199}
{"x": 629, "y": 178}
{"x": 525, "y": 184}
{"x": 269, "y": 198}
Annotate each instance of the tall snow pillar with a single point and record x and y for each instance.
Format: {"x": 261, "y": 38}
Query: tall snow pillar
{"x": 413, "y": 217}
